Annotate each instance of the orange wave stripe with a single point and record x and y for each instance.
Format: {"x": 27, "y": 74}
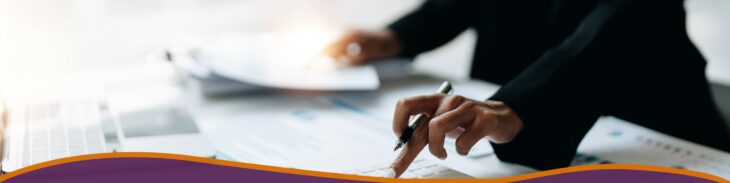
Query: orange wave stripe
{"x": 356, "y": 177}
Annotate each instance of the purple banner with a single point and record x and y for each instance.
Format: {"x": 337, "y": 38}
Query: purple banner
{"x": 145, "y": 169}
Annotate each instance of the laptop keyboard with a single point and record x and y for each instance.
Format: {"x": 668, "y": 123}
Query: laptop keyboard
{"x": 61, "y": 129}
{"x": 420, "y": 168}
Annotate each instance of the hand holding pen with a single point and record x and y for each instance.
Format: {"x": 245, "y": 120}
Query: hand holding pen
{"x": 440, "y": 114}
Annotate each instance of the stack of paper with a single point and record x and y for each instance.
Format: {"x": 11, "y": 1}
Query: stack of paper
{"x": 269, "y": 60}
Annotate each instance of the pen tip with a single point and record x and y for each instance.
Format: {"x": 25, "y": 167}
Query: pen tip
{"x": 398, "y": 145}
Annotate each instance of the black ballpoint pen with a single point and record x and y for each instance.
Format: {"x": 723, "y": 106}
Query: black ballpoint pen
{"x": 415, "y": 121}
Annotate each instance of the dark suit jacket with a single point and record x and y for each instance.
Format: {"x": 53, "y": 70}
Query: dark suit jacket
{"x": 564, "y": 63}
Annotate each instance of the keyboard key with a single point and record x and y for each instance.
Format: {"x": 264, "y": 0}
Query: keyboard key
{"x": 61, "y": 129}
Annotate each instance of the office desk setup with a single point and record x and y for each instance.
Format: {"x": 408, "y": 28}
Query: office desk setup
{"x": 349, "y": 132}
{"x": 330, "y": 124}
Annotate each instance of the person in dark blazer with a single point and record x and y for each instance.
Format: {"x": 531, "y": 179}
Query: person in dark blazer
{"x": 562, "y": 64}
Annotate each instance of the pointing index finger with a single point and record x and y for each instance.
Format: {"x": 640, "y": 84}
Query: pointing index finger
{"x": 410, "y": 151}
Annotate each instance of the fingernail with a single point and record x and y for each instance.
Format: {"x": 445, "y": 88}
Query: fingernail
{"x": 390, "y": 173}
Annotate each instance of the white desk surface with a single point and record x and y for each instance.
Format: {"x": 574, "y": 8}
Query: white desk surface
{"x": 226, "y": 118}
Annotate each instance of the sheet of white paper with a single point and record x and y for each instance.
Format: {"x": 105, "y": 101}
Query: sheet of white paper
{"x": 307, "y": 130}
{"x": 617, "y": 141}
{"x": 281, "y": 61}
{"x": 353, "y": 78}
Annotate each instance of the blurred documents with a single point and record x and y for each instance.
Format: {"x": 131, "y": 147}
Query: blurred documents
{"x": 269, "y": 59}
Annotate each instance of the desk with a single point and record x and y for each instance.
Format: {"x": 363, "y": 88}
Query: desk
{"x": 287, "y": 129}
{"x": 333, "y": 131}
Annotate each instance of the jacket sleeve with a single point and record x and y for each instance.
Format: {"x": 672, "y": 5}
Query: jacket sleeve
{"x": 433, "y": 24}
{"x": 562, "y": 94}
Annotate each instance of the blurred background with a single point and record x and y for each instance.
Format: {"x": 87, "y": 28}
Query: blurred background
{"x": 42, "y": 41}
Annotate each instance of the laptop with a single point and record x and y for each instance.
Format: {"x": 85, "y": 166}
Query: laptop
{"x": 36, "y": 131}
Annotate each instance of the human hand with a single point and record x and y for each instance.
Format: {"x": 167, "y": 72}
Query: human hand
{"x": 455, "y": 116}
{"x": 359, "y": 47}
